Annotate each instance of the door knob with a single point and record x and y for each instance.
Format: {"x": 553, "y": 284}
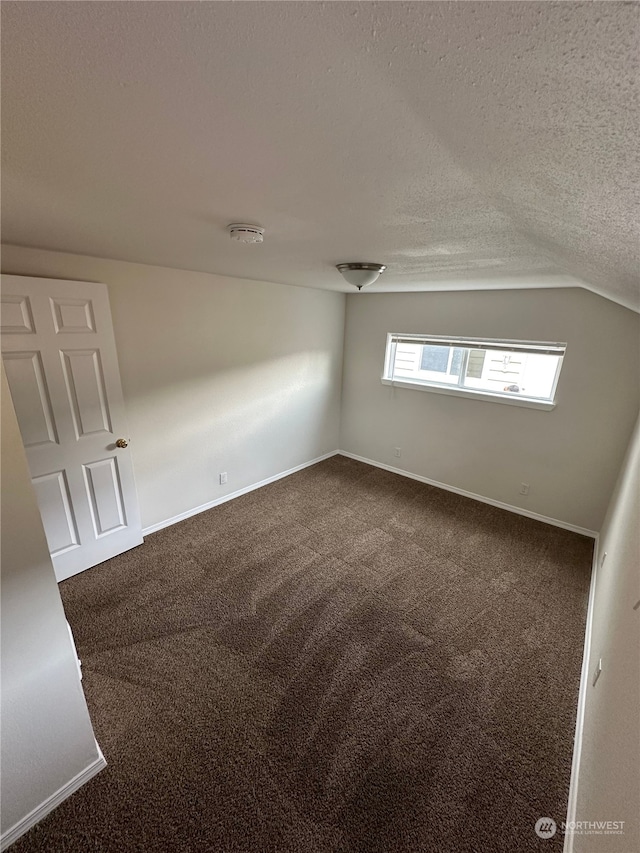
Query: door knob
{"x": 122, "y": 442}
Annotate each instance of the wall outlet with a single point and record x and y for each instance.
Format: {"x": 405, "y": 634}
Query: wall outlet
{"x": 223, "y": 478}
{"x": 596, "y": 674}
{"x": 397, "y": 451}
{"x": 524, "y": 488}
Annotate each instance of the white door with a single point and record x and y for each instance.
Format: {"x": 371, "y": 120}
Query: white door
{"x": 60, "y": 358}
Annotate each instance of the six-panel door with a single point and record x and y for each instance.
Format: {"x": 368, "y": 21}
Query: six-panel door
{"x": 60, "y": 358}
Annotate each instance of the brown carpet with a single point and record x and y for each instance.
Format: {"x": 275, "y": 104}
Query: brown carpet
{"x": 345, "y": 660}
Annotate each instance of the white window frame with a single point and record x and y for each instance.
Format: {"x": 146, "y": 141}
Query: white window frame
{"x": 458, "y": 390}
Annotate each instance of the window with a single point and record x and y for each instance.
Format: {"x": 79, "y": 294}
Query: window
{"x": 520, "y": 372}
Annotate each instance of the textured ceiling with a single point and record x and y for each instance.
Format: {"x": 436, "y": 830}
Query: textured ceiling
{"x": 487, "y": 143}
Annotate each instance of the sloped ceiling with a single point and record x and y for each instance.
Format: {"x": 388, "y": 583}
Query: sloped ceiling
{"x": 462, "y": 144}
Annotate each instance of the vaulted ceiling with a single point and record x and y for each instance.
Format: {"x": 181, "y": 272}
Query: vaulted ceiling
{"x": 463, "y": 144}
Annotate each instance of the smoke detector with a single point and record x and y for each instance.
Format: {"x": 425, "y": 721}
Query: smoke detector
{"x": 246, "y": 233}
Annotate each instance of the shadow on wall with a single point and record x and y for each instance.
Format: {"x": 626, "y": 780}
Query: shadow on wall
{"x": 268, "y": 408}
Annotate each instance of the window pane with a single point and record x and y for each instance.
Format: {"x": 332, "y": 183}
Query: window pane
{"x": 527, "y": 369}
{"x": 407, "y": 360}
{"x": 475, "y": 363}
{"x": 523, "y": 374}
{"x": 427, "y": 363}
{"x": 435, "y": 359}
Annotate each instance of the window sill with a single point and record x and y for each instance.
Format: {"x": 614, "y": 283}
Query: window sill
{"x": 523, "y": 402}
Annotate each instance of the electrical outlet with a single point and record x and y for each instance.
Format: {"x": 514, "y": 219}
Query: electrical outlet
{"x": 524, "y": 488}
{"x": 596, "y": 675}
{"x": 223, "y": 478}
{"x": 397, "y": 451}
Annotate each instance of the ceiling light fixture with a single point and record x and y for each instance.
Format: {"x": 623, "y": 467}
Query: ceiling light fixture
{"x": 246, "y": 233}
{"x": 360, "y": 275}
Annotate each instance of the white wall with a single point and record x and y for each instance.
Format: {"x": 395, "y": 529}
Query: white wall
{"x": 47, "y": 737}
{"x": 608, "y": 781}
{"x": 219, "y": 374}
{"x": 570, "y": 456}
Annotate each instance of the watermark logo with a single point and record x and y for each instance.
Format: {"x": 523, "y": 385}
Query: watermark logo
{"x": 546, "y": 827}
{"x": 594, "y": 827}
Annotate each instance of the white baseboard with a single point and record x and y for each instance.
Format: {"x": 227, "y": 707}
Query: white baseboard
{"x": 509, "y": 507}
{"x": 36, "y": 815}
{"x": 210, "y": 504}
{"x": 518, "y": 510}
{"x": 582, "y": 704}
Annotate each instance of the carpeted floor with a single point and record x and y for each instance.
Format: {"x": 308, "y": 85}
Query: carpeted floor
{"x": 345, "y": 660}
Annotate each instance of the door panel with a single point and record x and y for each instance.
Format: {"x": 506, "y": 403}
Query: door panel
{"x": 54, "y": 501}
{"x": 85, "y": 387}
{"x": 73, "y": 315}
{"x": 17, "y": 318}
{"x": 30, "y": 396}
{"x": 105, "y": 495}
{"x": 61, "y": 363}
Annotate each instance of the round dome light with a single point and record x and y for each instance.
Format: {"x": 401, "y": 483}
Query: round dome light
{"x": 360, "y": 275}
